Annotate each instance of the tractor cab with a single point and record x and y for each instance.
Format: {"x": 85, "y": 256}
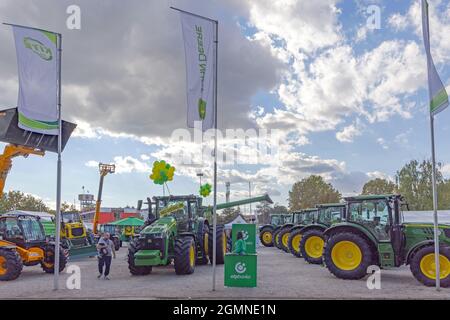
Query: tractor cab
{"x": 23, "y": 230}
{"x": 185, "y": 209}
{"x": 330, "y": 213}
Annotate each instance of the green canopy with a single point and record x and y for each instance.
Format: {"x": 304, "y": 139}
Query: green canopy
{"x": 131, "y": 221}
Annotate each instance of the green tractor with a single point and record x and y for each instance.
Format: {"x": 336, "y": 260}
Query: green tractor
{"x": 300, "y": 219}
{"x": 373, "y": 233}
{"x": 311, "y": 236}
{"x": 180, "y": 230}
{"x": 266, "y": 231}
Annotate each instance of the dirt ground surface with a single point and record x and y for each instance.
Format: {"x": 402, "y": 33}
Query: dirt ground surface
{"x": 280, "y": 276}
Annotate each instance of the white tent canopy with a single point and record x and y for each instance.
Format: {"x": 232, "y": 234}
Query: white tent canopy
{"x": 238, "y": 220}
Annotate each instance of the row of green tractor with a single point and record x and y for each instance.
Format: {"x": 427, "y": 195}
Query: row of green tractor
{"x": 363, "y": 231}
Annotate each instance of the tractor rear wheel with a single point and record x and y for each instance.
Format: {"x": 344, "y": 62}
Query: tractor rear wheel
{"x": 221, "y": 244}
{"x": 266, "y": 237}
{"x": 294, "y": 241}
{"x": 203, "y": 243}
{"x": 311, "y": 246}
{"x": 283, "y": 239}
{"x": 423, "y": 266}
{"x": 348, "y": 255}
{"x": 10, "y": 265}
{"x": 133, "y": 247}
{"x": 48, "y": 263}
{"x": 185, "y": 255}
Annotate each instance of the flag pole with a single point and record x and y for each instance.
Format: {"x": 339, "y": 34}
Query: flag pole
{"x": 435, "y": 204}
{"x": 58, "y": 178}
{"x": 216, "y": 43}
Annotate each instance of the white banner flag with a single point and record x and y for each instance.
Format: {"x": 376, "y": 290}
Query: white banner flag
{"x": 437, "y": 92}
{"x": 198, "y": 37}
{"x": 38, "y": 73}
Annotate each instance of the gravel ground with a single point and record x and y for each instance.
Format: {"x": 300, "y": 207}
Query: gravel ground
{"x": 280, "y": 276}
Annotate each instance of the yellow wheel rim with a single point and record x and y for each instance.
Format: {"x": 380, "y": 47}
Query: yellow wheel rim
{"x": 296, "y": 242}
{"x": 192, "y": 256}
{"x": 3, "y": 267}
{"x": 205, "y": 243}
{"x": 267, "y": 237}
{"x": 428, "y": 266}
{"x": 314, "y": 247}
{"x": 224, "y": 243}
{"x": 284, "y": 239}
{"x": 346, "y": 255}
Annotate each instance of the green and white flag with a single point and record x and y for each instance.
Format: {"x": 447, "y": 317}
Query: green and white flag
{"x": 38, "y": 80}
{"x": 198, "y": 35}
{"x": 438, "y": 95}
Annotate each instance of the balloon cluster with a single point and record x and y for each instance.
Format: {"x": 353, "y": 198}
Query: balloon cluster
{"x": 162, "y": 172}
{"x": 205, "y": 190}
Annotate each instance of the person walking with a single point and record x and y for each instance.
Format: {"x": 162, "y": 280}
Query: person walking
{"x": 106, "y": 252}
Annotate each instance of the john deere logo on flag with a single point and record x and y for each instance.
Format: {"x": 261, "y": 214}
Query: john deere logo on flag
{"x": 37, "y": 47}
{"x": 201, "y": 108}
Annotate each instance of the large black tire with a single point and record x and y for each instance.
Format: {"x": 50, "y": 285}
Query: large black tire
{"x": 10, "y": 265}
{"x": 48, "y": 264}
{"x": 295, "y": 238}
{"x": 266, "y": 236}
{"x": 203, "y": 245}
{"x": 184, "y": 262}
{"x": 426, "y": 273}
{"x": 276, "y": 234}
{"x": 283, "y": 239}
{"x": 348, "y": 255}
{"x": 221, "y": 244}
{"x": 133, "y": 247}
{"x": 311, "y": 246}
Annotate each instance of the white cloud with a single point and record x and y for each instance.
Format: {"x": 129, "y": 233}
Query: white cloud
{"x": 349, "y": 133}
{"x": 125, "y": 164}
{"x": 382, "y": 143}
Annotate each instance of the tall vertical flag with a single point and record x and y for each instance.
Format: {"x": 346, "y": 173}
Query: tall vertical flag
{"x": 37, "y": 60}
{"x": 201, "y": 42}
{"x": 198, "y": 36}
{"x": 438, "y": 102}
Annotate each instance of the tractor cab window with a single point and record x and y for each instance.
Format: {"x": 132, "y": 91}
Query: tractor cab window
{"x": 298, "y": 218}
{"x": 288, "y": 219}
{"x": 329, "y": 215}
{"x": 308, "y": 217}
{"x": 11, "y": 229}
{"x": 32, "y": 229}
{"x": 372, "y": 214}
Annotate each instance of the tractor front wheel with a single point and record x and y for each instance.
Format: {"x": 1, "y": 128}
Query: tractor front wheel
{"x": 221, "y": 244}
{"x": 423, "y": 266}
{"x": 185, "y": 255}
{"x": 10, "y": 265}
{"x": 311, "y": 246}
{"x": 294, "y": 241}
{"x": 283, "y": 239}
{"x": 348, "y": 255}
{"x": 265, "y": 235}
{"x": 133, "y": 247}
{"x": 276, "y": 238}
{"x": 48, "y": 264}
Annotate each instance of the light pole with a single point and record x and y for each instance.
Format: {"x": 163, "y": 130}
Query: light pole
{"x": 200, "y": 175}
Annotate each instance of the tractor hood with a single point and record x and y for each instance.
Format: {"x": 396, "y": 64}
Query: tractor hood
{"x": 160, "y": 227}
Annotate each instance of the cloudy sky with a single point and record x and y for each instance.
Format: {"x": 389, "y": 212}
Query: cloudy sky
{"x": 347, "y": 101}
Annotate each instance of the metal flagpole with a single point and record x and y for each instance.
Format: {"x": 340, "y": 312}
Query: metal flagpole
{"x": 435, "y": 204}
{"x": 216, "y": 42}
{"x": 58, "y": 179}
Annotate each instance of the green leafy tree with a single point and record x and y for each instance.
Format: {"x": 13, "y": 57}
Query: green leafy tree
{"x": 415, "y": 184}
{"x": 16, "y": 200}
{"x": 311, "y": 191}
{"x": 378, "y": 186}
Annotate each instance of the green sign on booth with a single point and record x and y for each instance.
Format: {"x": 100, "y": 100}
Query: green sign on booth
{"x": 249, "y": 232}
{"x": 240, "y": 270}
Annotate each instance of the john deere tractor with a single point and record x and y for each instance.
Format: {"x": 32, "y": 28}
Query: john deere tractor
{"x": 300, "y": 219}
{"x": 374, "y": 233}
{"x": 180, "y": 230}
{"x": 266, "y": 231}
{"x": 312, "y": 239}
{"x": 23, "y": 243}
